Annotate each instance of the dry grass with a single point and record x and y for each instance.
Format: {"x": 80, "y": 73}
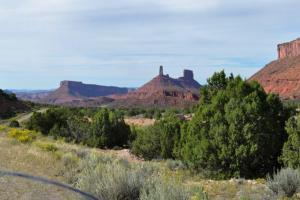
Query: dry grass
{"x": 39, "y": 159}
{"x": 139, "y": 121}
{"x": 232, "y": 189}
{"x": 31, "y": 160}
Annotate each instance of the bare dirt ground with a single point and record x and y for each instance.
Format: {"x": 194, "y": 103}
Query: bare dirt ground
{"x": 140, "y": 121}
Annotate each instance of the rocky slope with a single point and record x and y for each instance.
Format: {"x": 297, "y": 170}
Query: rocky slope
{"x": 282, "y": 76}
{"x": 9, "y": 105}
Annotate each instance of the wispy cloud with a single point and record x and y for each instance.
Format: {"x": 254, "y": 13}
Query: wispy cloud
{"x": 114, "y": 42}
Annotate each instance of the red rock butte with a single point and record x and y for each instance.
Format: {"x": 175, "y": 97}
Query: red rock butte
{"x": 282, "y": 76}
{"x": 163, "y": 91}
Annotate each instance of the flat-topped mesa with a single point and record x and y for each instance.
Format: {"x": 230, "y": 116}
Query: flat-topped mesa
{"x": 289, "y": 49}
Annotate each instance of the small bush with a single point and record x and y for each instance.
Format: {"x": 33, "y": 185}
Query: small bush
{"x": 2, "y": 128}
{"x": 47, "y": 147}
{"x": 111, "y": 181}
{"x": 71, "y": 165}
{"x": 14, "y": 124}
{"x": 70, "y": 160}
{"x": 117, "y": 148}
{"x": 147, "y": 143}
{"x": 199, "y": 194}
{"x": 285, "y": 182}
{"x": 291, "y": 152}
{"x": 81, "y": 153}
{"x": 24, "y": 136}
{"x": 109, "y": 178}
{"x": 155, "y": 189}
{"x": 175, "y": 165}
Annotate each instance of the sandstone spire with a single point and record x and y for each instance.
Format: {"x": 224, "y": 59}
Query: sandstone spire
{"x": 161, "y": 70}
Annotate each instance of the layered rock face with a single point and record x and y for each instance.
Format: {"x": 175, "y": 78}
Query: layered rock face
{"x": 282, "y": 76}
{"x": 72, "y": 91}
{"x": 89, "y": 90}
{"x": 289, "y": 49}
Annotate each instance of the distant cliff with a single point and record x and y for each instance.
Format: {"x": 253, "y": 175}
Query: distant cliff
{"x": 289, "y": 49}
{"x": 162, "y": 91}
{"x": 73, "y": 91}
{"x": 282, "y": 76}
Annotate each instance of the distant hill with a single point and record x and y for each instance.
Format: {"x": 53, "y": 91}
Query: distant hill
{"x": 71, "y": 92}
{"x": 282, "y": 76}
{"x": 31, "y": 95}
{"x": 163, "y": 91}
{"x": 10, "y": 105}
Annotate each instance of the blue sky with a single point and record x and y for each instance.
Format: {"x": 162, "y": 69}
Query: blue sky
{"x": 123, "y": 42}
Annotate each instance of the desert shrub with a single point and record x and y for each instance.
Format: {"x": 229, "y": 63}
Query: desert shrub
{"x": 175, "y": 164}
{"x": 53, "y": 118}
{"x": 81, "y": 153}
{"x": 237, "y": 130}
{"x": 70, "y": 160}
{"x": 147, "y": 143}
{"x": 109, "y": 178}
{"x": 156, "y": 189}
{"x": 78, "y": 130}
{"x": 71, "y": 167}
{"x": 105, "y": 129}
{"x": 2, "y": 128}
{"x": 23, "y": 136}
{"x": 108, "y": 129}
{"x": 284, "y": 183}
{"x": 160, "y": 139}
{"x": 46, "y": 146}
{"x": 133, "y": 134}
{"x": 291, "y": 151}
{"x": 14, "y": 124}
{"x": 200, "y": 196}
{"x": 111, "y": 181}
{"x": 170, "y": 126}
{"x": 134, "y": 112}
{"x": 149, "y": 113}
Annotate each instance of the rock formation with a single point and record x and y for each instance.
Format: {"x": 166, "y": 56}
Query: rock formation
{"x": 161, "y": 71}
{"x": 282, "y": 76}
{"x": 163, "y": 90}
{"x": 72, "y": 91}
